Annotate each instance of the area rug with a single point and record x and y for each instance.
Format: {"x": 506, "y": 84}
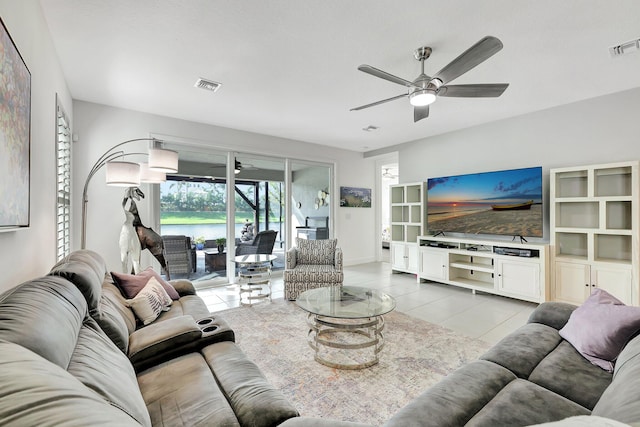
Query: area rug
{"x": 416, "y": 355}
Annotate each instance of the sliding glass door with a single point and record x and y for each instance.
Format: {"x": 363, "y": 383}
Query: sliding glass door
{"x": 194, "y": 203}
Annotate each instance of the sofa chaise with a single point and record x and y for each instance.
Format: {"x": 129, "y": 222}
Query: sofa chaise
{"x": 72, "y": 354}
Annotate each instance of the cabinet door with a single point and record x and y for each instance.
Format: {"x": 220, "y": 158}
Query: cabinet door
{"x": 616, "y": 281}
{"x": 572, "y": 282}
{"x": 519, "y": 278}
{"x": 433, "y": 264}
{"x": 412, "y": 258}
{"x": 398, "y": 257}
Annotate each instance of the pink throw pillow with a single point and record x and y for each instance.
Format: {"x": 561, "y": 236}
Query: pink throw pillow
{"x": 130, "y": 284}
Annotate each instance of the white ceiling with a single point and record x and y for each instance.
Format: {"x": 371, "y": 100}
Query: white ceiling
{"x": 289, "y": 67}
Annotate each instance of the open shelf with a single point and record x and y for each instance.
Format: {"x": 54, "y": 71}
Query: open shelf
{"x": 618, "y": 215}
{"x": 397, "y": 195}
{"x": 612, "y": 247}
{"x": 574, "y": 245}
{"x": 614, "y": 181}
{"x": 577, "y": 214}
{"x": 414, "y": 193}
{"x": 572, "y": 184}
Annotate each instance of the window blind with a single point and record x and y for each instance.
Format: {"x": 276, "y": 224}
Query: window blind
{"x": 63, "y": 167}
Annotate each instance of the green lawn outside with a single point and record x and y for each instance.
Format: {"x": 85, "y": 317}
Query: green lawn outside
{"x": 191, "y": 218}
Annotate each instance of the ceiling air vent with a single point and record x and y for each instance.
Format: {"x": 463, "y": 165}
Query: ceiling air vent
{"x": 207, "y": 84}
{"x": 625, "y": 48}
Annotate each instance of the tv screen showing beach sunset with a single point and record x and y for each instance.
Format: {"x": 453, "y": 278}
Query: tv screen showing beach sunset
{"x": 505, "y": 202}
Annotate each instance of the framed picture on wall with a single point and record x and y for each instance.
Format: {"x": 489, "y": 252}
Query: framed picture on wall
{"x": 354, "y": 197}
{"x": 15, "y": 135}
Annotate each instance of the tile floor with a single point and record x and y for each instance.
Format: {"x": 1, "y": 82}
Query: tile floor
{"x": 483, "y": 316}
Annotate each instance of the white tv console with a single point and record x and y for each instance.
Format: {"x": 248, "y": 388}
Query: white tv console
{"x": 490, "y": 266}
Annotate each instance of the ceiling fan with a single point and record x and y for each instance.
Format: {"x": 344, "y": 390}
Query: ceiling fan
{"x": 424, "y": 89}
{"x": 387, "y": 174}
{"x": 239, "y": 167}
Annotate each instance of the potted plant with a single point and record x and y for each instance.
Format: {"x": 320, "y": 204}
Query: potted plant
{"x": 221, "y": 242}
{"x": 199, "y": 241}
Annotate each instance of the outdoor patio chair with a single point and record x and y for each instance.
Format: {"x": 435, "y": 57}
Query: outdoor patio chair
{"x": 262, "y": 244}
{"x": 312, "y": 264}
{"x": 177, "y": 254}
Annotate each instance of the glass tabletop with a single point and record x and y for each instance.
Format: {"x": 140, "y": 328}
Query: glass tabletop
{"x": 347, "y": 302}
{"x": 254, "y": 258}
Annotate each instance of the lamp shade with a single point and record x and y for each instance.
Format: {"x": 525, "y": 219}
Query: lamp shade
{"x": 162, "y": 160}
{"x": 151, "y": 176}
{"x": 123, "y": 174}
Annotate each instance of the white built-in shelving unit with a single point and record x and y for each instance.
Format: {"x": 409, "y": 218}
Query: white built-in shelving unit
{"x": 408, "y": 221}
{"x": 594, "y": 231}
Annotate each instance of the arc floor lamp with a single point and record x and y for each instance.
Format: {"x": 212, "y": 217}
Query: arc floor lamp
{"x": 123, "y": 173}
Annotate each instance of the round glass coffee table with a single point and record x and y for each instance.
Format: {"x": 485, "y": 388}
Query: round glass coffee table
{"x": 346, "y": 324}
{"x": 254, "y": 274}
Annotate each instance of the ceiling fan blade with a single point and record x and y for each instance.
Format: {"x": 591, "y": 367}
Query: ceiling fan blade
{"x": 384, "y": 75}
{"x": 420, "y": 113}
{"x": 491, "y": 90}
{"x": 476, "y": 54}
{"x": 373, "y": 104}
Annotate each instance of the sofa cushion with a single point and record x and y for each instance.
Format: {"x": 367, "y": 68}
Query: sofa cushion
{"x": 315, "y": 251}
{"x": 114, "y": 316}
{"x": 521, "y": 403}
{"x": 522, "y": 350}
{"x": 565, "y": 372}
{"x": 253, "y": 399}
{"x": 183, "y": 392}
{"x": 131, "y": 284}
{"x": 456, "y": 398}
{"x": 150, "y": 302}
{"x": 600, "y": 328}
{"x": 102, "y": 367}
{"x": 44, "y": 315}
{"x": 554, "y": 314}
{"x": 85, "y": 269}
{"x": 36, "y": 392}
{"x": 314, "y": 273}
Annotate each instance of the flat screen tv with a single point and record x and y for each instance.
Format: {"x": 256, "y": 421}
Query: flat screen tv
{"x": 507, "y": 202}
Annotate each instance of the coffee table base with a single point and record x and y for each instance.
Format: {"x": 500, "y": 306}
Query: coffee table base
{"x": 341, "y": 337}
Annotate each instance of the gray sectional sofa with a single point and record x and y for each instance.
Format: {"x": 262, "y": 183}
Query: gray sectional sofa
{"x": 72, "y": 354}
{"x": 532, "y": 376}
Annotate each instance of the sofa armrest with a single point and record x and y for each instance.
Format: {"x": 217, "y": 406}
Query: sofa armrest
{"x": 162, "y": 338}
{"x": 554, "y": 314}
{"x": 183, "y": 287}
{"x": 290, "y": 261}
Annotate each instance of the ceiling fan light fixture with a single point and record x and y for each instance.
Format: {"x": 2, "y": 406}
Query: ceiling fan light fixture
{"x": 422, "y": 97}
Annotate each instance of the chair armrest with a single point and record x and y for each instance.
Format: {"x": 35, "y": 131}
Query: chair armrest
{"x": 183, "y": 287}
{"x": 246, "y": 249}
{"x": 337, "y": 262}
{"x": 290, "y": 259}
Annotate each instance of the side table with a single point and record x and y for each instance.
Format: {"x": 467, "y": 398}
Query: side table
{"x": 214, "y": 260}
{"x": 254, "y": 274}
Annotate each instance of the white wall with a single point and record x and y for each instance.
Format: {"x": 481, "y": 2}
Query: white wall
{"x": 31, "y": 252}
{"x": 599, "y": 130}
{"x": 99, "y": 127}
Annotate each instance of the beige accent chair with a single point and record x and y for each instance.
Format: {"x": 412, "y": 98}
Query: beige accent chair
{"x": 312, "y": 264}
